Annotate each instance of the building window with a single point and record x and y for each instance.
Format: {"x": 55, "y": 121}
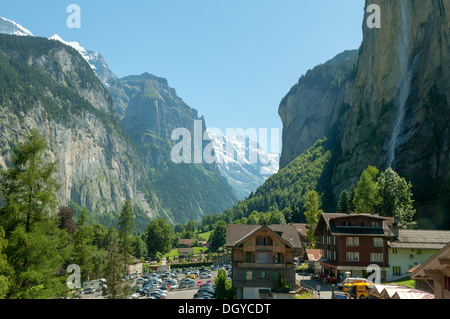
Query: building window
{"x": 396, "y": 270}
{"x": 278, "y": 258}
{"x": 264, "y": 241}
{"x": 263, "y": 275}
{"x": 352, "y": 256}
{"x": 376, "y": 257}
{"x": 419, "y": 252}
{"x": 249, "y": 244}
{"x": 249, "y": 257}
{"x": 394, "y": 250}
{"x": 352, "y": 241}
{"x": 378, "y": 242}
{"x": 263, "y": 258}
{"x": 447, "y": 283}
{"x": 374, "y": 224}
{"x": 249, "y": 275}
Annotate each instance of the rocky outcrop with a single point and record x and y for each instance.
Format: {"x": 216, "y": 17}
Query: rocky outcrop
{"x": 392, "y": 110}
{"x": 98, "y": 167}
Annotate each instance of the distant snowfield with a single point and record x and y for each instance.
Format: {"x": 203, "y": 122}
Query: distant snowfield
{"x": 13, "y": 28}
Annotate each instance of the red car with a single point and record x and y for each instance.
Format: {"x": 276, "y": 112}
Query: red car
{"x": 199, "y": 283}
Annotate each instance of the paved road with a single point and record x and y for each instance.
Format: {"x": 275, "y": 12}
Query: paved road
{"x": 325, "y": 290}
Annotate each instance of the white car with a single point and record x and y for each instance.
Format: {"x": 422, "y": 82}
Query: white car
{"x": 135, "y": 296}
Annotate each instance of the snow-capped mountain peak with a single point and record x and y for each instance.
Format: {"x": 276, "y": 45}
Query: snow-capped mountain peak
{"x": 94, "y": 59}
{"x": 84, "y": 53}
{"x": 243, "y": 163}
{"x": 13, "y": 28}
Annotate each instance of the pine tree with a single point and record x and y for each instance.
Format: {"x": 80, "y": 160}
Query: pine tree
{"x": 5, "y": 268}
{"x": 366, "y": 195}
{"x": 125, "y": 226}
{"x": 343, "y": 206}
{"x": 37, "y": 248}
{"x": 28, "y": 186}
{"x": 312, "y": 214}
{"x": 115, "y": 286}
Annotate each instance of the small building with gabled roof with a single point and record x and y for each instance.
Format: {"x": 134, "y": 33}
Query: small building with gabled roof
{"x": 260, "y": 256}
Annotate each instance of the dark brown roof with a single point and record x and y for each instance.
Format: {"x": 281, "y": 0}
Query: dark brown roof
{"x": 301, "y": 228}
{"x": 236, "y": 234}
{"x": 329, "y": 219}
{"x": 187, "y": 242}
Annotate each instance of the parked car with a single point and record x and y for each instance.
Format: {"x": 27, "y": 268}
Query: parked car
{"x": 89, "y": 291}
{"x": 205, "y": 275}
{"x": 155, "y": 295}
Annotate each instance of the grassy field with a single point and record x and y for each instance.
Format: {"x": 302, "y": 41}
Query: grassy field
{"x": 205, "y": 236}
{"x": 408, "y": 282}
{"x": 174, "y": 252}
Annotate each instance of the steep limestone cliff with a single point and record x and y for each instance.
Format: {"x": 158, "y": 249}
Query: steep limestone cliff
{"x": 393, "y": 110}
{"x": 48, "y": 86}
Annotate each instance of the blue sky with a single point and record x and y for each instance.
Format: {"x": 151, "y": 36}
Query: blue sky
{"x": 231, "y": 60}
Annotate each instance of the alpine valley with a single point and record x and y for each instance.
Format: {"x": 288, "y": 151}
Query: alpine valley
{"x": 110, "y": 136}
{"x": 384, "y": 105}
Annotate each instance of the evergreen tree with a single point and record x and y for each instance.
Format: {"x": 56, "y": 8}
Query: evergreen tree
{"x": 366, "y": 195}
{"x": 224, "y": 288}
{"x": 125, "y": 227}
{"x": 343, "y": 206}
{"x": 115, "y": 271}
{"x": 83, "y": 248}
{"x": 5, "y": 268}
{"x": 28, "y": 186}
{"x": 312, "y": 214}
{"x": 37, "y": 248}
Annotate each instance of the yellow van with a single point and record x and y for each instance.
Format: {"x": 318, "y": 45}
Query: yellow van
{"x": 358, "y": 290}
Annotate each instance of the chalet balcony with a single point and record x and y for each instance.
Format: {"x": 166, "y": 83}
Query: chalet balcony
{"x": 248, "y": 265}
{"x": 264, "y": 248}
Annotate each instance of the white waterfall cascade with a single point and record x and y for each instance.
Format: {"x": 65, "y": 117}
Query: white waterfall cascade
{"x": 404, "y": 79}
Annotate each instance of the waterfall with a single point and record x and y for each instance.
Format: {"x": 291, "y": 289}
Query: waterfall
{"x": 404, "y": 80}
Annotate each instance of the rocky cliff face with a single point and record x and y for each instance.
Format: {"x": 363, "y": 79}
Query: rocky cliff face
{"x": 58, "y": 93}
{"x": 314, "y": 106}
{"x": 393, "y": 108}
{"x": 151, "y": 112}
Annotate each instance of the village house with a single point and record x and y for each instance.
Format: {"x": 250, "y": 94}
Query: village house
{"x": 185, "y": 252}
{"x": 261, "y": 255}
{"x": 302, "y": 232}
{"x": 434, "y": 274}
{"x": 184, "y": 243}
{"x": 353, "y": 242}
{"x": 410, "y": 248}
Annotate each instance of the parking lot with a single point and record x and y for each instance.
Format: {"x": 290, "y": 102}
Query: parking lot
{"x": 145, "y": 286}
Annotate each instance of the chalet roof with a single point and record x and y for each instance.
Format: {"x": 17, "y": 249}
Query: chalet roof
{"x": 421, "y": 239}
{"x": 329, "y": 220}
{"x": 186, "y": 242}
{"x": 301, "y": 228}
{"x": 395, "y": 291}
{"x": 236, "y": 234}
{"x": 314, "y": 254}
